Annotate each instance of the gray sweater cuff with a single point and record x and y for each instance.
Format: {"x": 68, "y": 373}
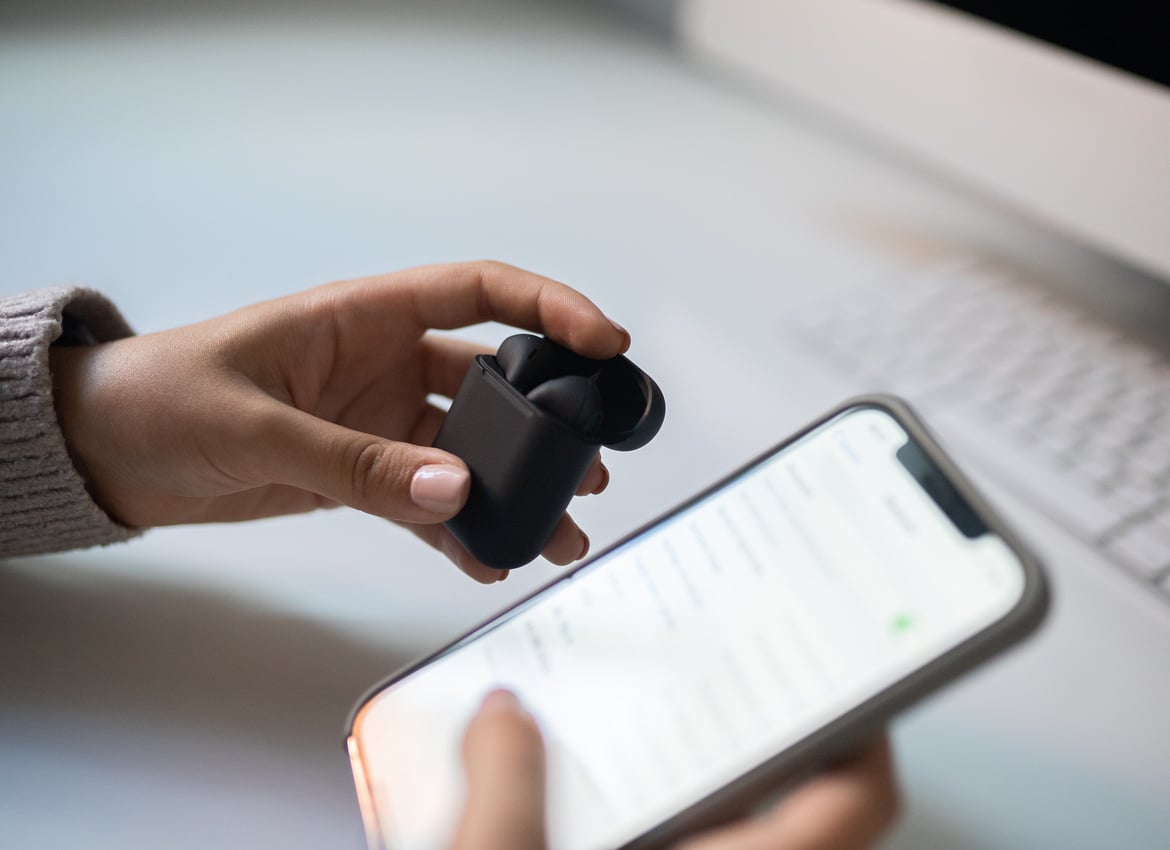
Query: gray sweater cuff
{"x": 44, "y": 506}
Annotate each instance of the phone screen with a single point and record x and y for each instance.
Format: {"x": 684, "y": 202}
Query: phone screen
{"x": 708, "y": 643}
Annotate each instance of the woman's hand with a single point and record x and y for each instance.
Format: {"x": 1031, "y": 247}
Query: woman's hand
{"x": 845, "y": 808}
{"x": 308, "y": 401}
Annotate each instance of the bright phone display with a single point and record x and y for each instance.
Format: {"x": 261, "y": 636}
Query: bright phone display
{"x": 690, "y": 654}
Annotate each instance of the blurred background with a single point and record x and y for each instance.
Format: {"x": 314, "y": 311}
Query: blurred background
{"x": 189, "y": 689}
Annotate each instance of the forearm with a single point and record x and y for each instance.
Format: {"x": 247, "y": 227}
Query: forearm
{"x": 44, "y": 504}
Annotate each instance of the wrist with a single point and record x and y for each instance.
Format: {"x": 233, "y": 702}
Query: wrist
{"x": 72, "y": 369}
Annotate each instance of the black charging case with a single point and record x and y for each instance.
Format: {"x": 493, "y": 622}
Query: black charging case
{"x": 526, "y": 463}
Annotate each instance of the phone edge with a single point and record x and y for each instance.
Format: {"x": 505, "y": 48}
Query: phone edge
{"x": 850, "y": 730}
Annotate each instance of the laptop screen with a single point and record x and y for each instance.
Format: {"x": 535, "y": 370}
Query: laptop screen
{"x": 1061, "y": 111}
{"x": 1126, "y": 34}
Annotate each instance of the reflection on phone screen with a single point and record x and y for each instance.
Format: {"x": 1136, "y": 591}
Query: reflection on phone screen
{"x": 705, "y": 645}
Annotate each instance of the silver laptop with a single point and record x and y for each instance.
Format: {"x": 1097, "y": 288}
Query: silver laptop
{"x": 1042, "y": 362}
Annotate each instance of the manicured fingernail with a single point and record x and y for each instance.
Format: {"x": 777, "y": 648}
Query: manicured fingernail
{"x": 623, "y": 332}
{"x": 439, "y": 487}
{"x": 501, "y": 700}
{"x": 584, "y": 547}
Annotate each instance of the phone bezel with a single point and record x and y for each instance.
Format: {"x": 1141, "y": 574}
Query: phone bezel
{"x": 839, "y": 736}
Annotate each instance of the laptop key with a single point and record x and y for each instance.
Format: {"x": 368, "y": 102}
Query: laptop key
{"x": 1141, "y": 550}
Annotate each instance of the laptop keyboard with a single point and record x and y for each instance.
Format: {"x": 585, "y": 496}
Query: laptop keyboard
{"x": 1071, "y": 416}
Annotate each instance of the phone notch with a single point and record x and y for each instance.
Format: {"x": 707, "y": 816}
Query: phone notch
{"x": 937, "y": 485}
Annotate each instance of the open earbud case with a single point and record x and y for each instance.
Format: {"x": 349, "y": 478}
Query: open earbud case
{"x": 526, "y": 461}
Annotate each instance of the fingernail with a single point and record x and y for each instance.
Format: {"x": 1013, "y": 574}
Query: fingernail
{"x": 584, "y": 547}
{"x": 503, "y": 575}
{"x": 439, "y": 487}
{"x": 501, "y": 700}
{"x": 622, "y": 331}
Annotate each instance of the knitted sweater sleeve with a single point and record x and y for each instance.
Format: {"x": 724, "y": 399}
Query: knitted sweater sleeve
{"x": 44, "y": 505}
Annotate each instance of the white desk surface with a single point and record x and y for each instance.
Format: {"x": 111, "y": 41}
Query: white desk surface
{"x": 188, "y": 689}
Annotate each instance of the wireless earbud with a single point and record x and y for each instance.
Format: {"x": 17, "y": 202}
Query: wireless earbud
{"x": 572, "y": 399}
{"x": 526, "y": 361}
{"x": 528, "y": 422}
{"x": 554, "y": 379}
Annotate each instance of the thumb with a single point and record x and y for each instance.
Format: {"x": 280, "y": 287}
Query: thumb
{"x": 395, "y": 480}
{"x": 504, "y": 759}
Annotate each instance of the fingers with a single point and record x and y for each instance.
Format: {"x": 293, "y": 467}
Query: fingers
{"x": 395, "y": 480}
{"x": 440, "y": 538}
{"x": 504, "y": 759}
{"x": 845, "y": 808}
{"x": 567, "y": 544}
{"x": 427, "y": 427}
{"x": 461, "y": 294}
{"x": 595, "y": 480}
{"x": 445, "y": 362}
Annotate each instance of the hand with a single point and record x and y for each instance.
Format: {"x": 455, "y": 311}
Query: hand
{"x": 309, "y": 401}
{"x": 847, "y": 807}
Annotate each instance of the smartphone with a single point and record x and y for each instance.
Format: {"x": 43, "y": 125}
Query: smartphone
{"x": 762, "y": 627}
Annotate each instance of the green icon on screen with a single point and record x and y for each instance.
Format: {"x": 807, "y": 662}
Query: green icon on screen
{"x": 901, "y": 624}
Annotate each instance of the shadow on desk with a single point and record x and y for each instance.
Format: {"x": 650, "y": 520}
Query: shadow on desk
{"x": 144, "y": 704}
{"x": 83, "y": 642}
